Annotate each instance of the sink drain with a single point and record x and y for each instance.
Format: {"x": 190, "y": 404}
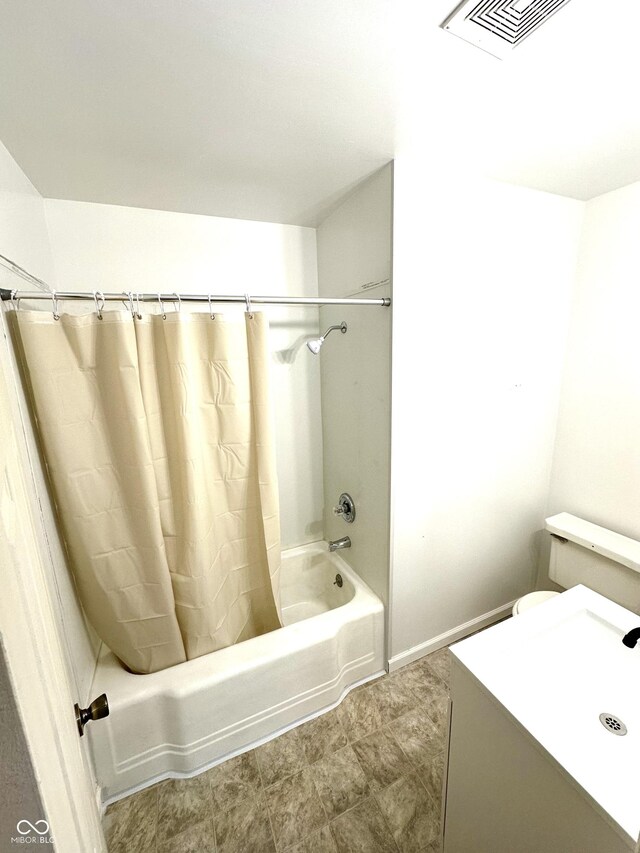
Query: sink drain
{"x": 613, "y": 724}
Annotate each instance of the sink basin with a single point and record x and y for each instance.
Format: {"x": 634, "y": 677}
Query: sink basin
{"x": 556, "y": 669}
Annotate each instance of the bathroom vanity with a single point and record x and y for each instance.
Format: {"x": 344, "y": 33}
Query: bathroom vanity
{"x": 532, "y": 769}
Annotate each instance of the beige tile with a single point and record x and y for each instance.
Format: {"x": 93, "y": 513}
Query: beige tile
{"x": 322, "y": 736}
{"x": 197, "y": 839}
{"x": 319, "y": 842}
{"x": 422, "y": 681}
{"x": 394, "y": 698}
{"x": 432, "y": 693}
{"x": 244, "y": 828}
{"x": 182, "y": 803}
{"x": 440, "y": 663}
{"x": 410, "y": 813}
{"x": 295, "y": 809}
{"x": 381, "y": 759}
{"x": 130, "y": 825}
{"x": 359, "y": 712}
{"x": 431, "y": 775}
{"x": 233, "y": 781}
{"x": 363, "y": 829}
{"x": 418, "y": 737}
{"x": 438, "y": 710}
{"x": 281, "y": 757}
{"x": 340, "y": 781}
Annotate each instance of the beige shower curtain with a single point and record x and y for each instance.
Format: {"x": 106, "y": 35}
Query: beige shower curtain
{"x": 157, "y": 438}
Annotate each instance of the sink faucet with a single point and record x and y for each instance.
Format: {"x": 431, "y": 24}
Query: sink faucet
{"x": 336, "y": 545}
{"x": 631, "y": 638}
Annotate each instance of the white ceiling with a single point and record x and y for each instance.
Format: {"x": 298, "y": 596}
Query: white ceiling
{"x": 274, "y": 109}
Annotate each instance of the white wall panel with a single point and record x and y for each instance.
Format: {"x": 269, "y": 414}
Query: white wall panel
{"x": 596, "y": 469}
{"x": 483, "y": 274}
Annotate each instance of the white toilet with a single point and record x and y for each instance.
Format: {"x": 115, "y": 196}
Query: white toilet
{"x": 582, "y": 552}
{"x": 532, "y": 599}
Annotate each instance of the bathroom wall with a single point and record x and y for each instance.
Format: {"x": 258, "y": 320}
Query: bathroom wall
{"x": 483, "y": 274}
{"x": 596, "y": 467}
{"x": 25, "y": 240}
{"x": 34, "y": 565}
{"x": 105, "y": 247}
{"x": 354, "y": 258}
{"x": 23, "y": 226}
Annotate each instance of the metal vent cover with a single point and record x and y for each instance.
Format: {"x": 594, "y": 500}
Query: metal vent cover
{"x": 499, "y": 26}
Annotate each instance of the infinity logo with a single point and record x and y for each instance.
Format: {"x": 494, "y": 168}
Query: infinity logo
{"x": 32, "y": 828}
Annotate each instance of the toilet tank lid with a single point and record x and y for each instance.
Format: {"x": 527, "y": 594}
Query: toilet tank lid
{"x": 621, "y": 549}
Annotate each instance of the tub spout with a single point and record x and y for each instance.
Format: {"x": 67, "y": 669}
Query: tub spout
{"x": 337, "y": 544}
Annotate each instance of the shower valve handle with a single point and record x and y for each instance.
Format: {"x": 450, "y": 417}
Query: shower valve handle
{"x": 346, "y": 508}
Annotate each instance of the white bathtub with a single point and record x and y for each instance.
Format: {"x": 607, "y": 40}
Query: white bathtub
{"x": 185, "y": 718}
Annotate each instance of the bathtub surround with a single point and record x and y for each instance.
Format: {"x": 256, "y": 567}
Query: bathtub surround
{"x": 354, "y": 259}
{"x": 170, "y": 563}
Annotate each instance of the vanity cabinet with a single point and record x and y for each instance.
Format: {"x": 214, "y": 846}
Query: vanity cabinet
{"x": 505, "y": 793}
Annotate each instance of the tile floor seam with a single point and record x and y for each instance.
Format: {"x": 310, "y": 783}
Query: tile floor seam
{"x": 157, "y": 826}
{"x": 384, "y": 817}
{"x": 273, "y": 834}
{"x": 315, "y": 788}
{"x": 419, "y": 699}
{"x": 262, "y": 785}
{"x": 412, "y": 764}
{"x": 306, "y": 838}
{"x": 386, "y": 823}
{"x": 369, "y": 788}
{"x": 426, "y": 710}
{"x": 212, "y": 816}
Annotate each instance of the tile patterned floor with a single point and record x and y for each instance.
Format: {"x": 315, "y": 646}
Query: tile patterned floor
{"x": 365, "y": 777}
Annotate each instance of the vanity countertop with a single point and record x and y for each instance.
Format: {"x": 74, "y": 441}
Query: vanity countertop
{"x": 555, "y": 669}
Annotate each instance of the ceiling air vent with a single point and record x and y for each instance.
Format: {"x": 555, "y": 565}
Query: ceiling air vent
{"x": 498, "y": 26}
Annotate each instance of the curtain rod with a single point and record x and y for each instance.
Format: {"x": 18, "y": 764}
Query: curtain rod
{"x": 47, "y": 292}
{"x": 59, "y": 295}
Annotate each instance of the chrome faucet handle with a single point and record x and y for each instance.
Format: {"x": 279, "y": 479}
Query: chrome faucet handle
{"x": 346, "y": 508}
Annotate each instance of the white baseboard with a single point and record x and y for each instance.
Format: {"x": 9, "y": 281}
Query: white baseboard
{"x": 449, "y": 637}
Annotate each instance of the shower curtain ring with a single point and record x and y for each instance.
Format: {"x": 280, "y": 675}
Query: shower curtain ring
{"x": 15, "y": 300}
{"x": 162, "y": 311}
{"x": 247, "y": 299}
{"x": 54, "y": 299}
{"x": 138, "y": 314}
{"x": 98, "y": 298}
{"x": 211, "y": 314}
{"x": 129, "y": 296}
{"x": 177, "y": 295}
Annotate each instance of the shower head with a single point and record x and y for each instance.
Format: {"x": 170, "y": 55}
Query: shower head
{"x": 315, "y": 344}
